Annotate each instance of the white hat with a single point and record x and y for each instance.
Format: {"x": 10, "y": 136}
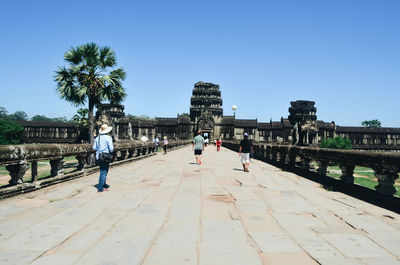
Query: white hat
{"x": 105, "y": 129}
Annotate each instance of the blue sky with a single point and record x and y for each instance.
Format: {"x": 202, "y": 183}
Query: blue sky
{"x": 342, "y": 54}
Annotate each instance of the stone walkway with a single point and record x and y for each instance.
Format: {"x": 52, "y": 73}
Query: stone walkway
{"x": 167, "y": 210}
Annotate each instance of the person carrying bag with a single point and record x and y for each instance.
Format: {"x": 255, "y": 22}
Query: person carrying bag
{"x": 104, "y": 147}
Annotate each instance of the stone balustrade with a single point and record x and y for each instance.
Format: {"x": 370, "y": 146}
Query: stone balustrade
{"x": 16, "y": 159}
{"x": 386, "y": 166}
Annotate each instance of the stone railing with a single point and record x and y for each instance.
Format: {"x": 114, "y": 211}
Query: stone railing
{"x": 386, "y": 166}
{"x": 17, "y": 159}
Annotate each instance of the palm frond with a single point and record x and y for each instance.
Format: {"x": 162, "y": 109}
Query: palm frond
{"x": 73, "y": 56}
{"x": 107, "y": 57}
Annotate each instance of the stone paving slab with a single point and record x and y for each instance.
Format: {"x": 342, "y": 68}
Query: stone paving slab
{"x": 168, "y": 210}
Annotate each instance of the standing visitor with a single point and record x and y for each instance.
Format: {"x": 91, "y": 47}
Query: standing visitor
{"x": 219, "y": 142}
{"x": 206, "y": 141}
{"x": 244, "y": 151}
{"x": 103, "y": 145}
{"x": 198, "y": 147}
{"x": 165, "y": 145}
{"x": 156, "y": 141}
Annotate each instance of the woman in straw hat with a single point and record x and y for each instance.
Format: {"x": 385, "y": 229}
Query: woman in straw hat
{"x": 165, "y": 145}
{"x": 103, "y": 144}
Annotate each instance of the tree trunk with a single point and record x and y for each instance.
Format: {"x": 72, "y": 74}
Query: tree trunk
{"x": 91, "y": 121}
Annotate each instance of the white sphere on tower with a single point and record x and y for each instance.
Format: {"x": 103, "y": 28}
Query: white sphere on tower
{"x": 234, "y": 107}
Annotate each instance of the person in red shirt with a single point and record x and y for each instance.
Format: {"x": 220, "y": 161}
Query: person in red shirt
{"x": 218, "y": 145}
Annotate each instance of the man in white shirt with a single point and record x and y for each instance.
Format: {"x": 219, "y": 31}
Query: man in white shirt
{"x": 156, "y": 141}
{"x": 144, "y": 138}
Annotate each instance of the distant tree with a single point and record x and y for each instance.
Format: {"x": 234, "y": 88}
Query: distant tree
{"x": 185, "y": 114}
{"x": 371, "y": 123}
{"x": 336, "y": 143}
{"x": 10, "y": 132}
{"x": 59, "y": 119}
{"x": 18, "y": 116}
{"x": 3, "y": 112}
{"x": 40, "y": 118}
{"x": 81, "y": 118}
{"x": 141, "y": 117}
{"x": 86, "y": 78}
{"x": 47, "y": 119}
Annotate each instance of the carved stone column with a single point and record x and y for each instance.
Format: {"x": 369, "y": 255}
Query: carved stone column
{"x": 56, "y": 167}
{"x": 34, "y": 171}
{"x": 305, "y": 163}
{"x": 131, "y": 153}
{"x": 81, "y": 162}
{"x": 322, "y": 167}
{"x": 347, "y": 173}
{"x": 17, "y": 172}
{"x": 274, "y": 155}
{"x": 282, "y": 158}
{"x": 292, "y": 161}
{"x": 138, "y": 152}
{"x": 386, "y": 179}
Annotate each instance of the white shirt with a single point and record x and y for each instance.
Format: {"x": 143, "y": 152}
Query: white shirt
{"x": 144, "y": 139}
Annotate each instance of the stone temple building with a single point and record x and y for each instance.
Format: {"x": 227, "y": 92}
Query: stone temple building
{"x": 301, "y": 127}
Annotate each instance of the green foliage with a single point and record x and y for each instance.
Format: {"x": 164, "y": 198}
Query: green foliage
{"x": 141, "y": 117}
{"x": 19, "y": 116}
{"x": 3, "y": 112}
{"x": 371, "y": 123}
{"x": 47, "y": 119}
{"x": 336, "y": 143}
{"x": 81, "y": 118}
{"x": 10, "y": 132}
{"x": 86, "y": 78}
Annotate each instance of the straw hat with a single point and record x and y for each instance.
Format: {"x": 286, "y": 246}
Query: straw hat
{"x": 165, "y": 137}
{"x": 104, "y": 129}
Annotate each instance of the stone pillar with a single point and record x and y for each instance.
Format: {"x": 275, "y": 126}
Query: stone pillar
{"x": 34, "y": 171}
{"x": 322, "y": 167}
{"x": 56, "y": 167}
{"x": 282, "y": 158}
{"x": 17, "y": 172}
{"x": 347, "y": 173}
{"x": 131, "y": 152}
{"x": 274, "y": 155}
{"x": 81, "y": 162}
{"x": 305, "y": 163}
{"x": 292, "y": 161}
{"x": 386, "y": 179}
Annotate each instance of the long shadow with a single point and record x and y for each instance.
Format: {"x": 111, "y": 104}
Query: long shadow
{"x": 390, "y": 203}
{"x": 238, "y": 169}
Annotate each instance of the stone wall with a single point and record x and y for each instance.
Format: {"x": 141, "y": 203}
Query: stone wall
{"x": 51, "y": 132}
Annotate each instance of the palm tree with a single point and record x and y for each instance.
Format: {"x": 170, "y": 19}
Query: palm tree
{"x": 86, "y": 79}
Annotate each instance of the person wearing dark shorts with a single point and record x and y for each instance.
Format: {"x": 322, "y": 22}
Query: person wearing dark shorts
{"x": 198, "y": 147}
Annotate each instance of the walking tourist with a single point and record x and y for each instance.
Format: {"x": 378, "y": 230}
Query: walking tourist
{"x": 165, "y": 145}
{"x": 244, "y": 151}
{"x": 103, "y": 144}
{"x": 198, "y": 147}
{"x": 206, "y": 141}
{"x": 156, "y": 141}
{"x": 218, "y": 142}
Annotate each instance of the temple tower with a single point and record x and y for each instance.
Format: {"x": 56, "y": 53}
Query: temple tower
{"x": 303, "y": 118}
{"x": 206, "y": 108}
